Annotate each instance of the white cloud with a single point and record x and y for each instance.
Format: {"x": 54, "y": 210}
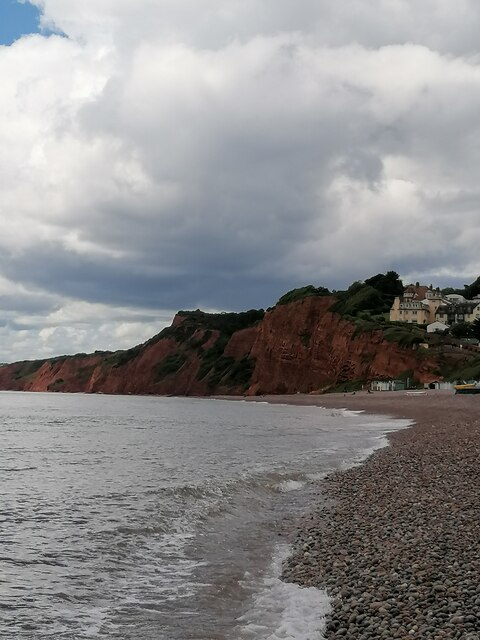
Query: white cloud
{"x": 168, "y": 154}
{"x": 438, "y": 24}
{"x": 76, "y": 327}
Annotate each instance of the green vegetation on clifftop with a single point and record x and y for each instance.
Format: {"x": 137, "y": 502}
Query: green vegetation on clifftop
{"x": 375, "y": 296}
{"x": 303, "y": 292}
{"x": 194, "y": 331}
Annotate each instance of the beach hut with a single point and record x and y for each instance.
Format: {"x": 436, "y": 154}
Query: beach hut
{"x": 388, "y": 385}
{"x": 439, "y": 386}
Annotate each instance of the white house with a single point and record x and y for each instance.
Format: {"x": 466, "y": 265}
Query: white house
{"x": 455, "y": 297}
{"x": 437, "y": 327}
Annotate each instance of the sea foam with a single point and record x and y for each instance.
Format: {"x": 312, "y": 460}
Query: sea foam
{"x": 281, "y": 610}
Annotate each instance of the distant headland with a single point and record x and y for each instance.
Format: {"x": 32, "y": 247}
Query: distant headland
{"x": 312, "y": 341}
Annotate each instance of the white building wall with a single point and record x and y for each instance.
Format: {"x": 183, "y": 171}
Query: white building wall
{"x": 436, "y": 326}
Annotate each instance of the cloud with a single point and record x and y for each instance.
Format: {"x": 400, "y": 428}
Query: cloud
{"x": 160, "y": 156}
{"x": 437, "y": 24}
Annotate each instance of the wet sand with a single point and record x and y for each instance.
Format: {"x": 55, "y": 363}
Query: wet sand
{"x": 398, "y": 547}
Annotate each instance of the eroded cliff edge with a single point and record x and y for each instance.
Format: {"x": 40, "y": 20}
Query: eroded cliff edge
{"x": 298, "y": 347}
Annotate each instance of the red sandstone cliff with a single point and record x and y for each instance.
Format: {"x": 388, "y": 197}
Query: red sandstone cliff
{"x": 303, "y": 347}
{"x": 300, "y": 346}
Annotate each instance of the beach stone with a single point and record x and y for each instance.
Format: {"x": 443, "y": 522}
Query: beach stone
{"x": 397, "y": 545}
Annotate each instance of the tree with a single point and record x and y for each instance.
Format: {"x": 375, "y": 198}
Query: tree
{"x": 354, "y": 288}
{"x": 473, "y": 289}
{"x": 388, "y": 284}
{"x": 462, "y": 330}
{"x": 476, "y": 328}
{"x": 303, "y": 292}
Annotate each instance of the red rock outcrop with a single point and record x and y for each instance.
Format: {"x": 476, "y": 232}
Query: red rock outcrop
{"x": 300, "y": 347}
{"x": 304, "y": 347}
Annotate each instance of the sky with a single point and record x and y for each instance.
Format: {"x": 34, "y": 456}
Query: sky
{"x": 17, "y": 19}
{"x": 158, "y": 155}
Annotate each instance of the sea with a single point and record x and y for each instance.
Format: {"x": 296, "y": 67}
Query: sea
{"x": 155, "y": 518}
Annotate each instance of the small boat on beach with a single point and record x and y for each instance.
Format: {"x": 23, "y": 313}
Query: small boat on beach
{"x": 469, "y": 388}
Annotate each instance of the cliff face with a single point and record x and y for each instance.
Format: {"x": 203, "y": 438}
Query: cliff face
{"x": 300, "y": 346}
{"x": 303, "y": 347}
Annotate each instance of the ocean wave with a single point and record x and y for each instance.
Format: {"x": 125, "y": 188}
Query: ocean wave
{"x": 290, "y": 485}
{"x": 281, "y": 610}
{"x": 269, "y": 481}
{"x": 17, "y": 469}
{"x": 24, "y": 562}
{"x": 350, "y": 413}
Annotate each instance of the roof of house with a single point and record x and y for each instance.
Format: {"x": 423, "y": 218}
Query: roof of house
{"x": 418, "y": 291}
{"x": 456, "y": 297}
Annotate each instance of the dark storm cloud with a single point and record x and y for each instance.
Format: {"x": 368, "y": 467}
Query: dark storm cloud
{"x": 28, "y": 303}
{"x": 101, "y": 281}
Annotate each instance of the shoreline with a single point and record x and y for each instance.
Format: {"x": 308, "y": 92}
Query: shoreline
{"x": 397, "y": 547}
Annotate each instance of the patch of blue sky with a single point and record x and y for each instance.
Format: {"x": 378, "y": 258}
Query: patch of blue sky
{"x": 17, "y": 19}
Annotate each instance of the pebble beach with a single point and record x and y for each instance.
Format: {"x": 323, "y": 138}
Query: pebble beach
{"x": 397, "y": 546}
